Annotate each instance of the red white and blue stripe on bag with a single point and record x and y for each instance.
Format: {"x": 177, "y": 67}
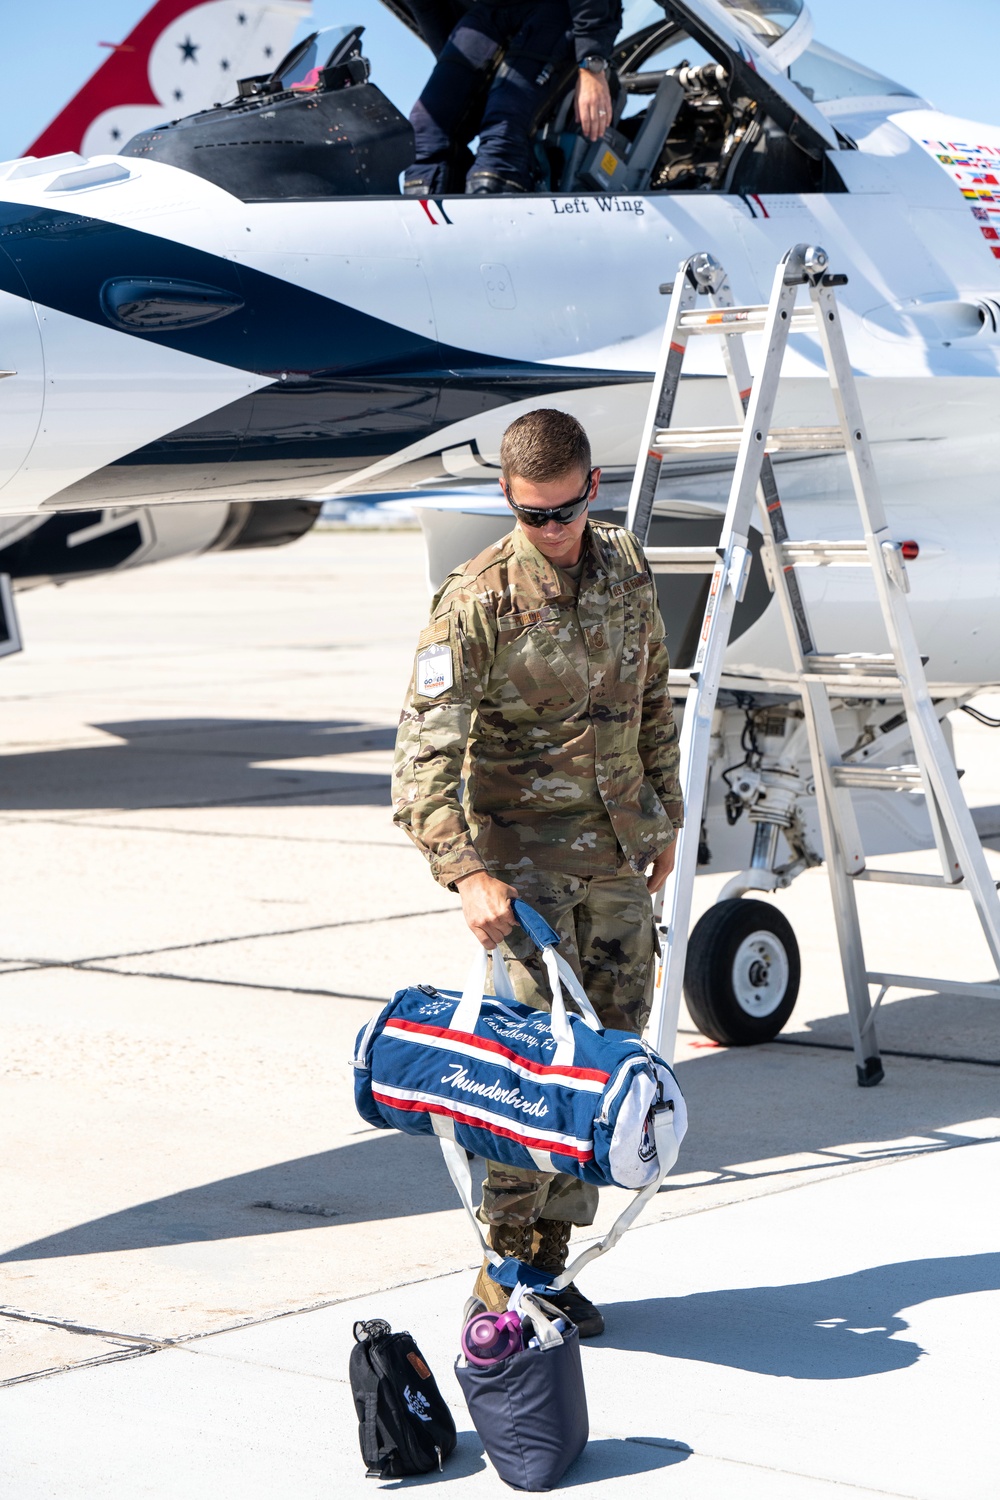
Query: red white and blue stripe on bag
{"x": 502, "y": 1101}
{"x": 482, "y": 1049}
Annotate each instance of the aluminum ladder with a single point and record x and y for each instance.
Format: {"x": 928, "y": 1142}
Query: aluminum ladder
{"x": 817, "y": 676}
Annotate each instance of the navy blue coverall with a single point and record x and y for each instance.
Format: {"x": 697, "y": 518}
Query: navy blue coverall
{"x": 540, "y": 40}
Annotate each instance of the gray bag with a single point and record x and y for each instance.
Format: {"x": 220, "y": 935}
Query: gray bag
{"x": 531, "y": 1409}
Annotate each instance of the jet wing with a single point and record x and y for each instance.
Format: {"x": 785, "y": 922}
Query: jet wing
{"x": 723, "y": 27}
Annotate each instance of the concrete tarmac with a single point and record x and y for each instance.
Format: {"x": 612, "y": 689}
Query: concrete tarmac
{"x": 206, "y": 899}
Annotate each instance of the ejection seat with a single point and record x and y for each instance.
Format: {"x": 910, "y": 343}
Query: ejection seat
{"x": 624, "y": 158}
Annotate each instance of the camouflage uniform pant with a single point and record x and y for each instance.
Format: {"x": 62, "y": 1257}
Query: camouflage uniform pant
{"x": 606, "y": 927}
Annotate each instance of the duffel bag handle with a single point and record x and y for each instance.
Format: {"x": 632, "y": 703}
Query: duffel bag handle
{"x": 557, "y": 969}
{"x": 535, "y": 925}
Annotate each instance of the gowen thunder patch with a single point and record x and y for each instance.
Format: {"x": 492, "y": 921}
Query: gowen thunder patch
{"x": 435, "y": 673}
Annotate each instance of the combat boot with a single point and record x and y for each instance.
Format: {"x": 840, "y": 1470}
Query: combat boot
{"x": 551, "y": 1252}
{"x": 512, "y": 1240}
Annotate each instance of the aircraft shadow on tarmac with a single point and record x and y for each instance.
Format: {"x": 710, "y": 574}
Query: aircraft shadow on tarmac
{"x": 383, "y": 1176}
{"x": 838, "y": 1329}
{"x": 199, "y": 762}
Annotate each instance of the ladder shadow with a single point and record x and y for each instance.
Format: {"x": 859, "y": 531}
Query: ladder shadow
{"x": 840, "y": 1328}
{"x": 919, "y": 1024}
{"x": 782, "y": 1111}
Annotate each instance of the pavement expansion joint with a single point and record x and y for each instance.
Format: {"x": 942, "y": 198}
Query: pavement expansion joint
{"x": 70, "y": 1325}
{"x": 84, "y": 967}
{"x": 115, "y": 1357}
{"x": 942, "y": 1057}
{"x": 242, "y": 937}
{"x": 821, "y": 1046}
{"x": 100, "y": 824}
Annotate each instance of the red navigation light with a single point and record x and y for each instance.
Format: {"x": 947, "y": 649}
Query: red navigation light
{"x": 910, "y": 551}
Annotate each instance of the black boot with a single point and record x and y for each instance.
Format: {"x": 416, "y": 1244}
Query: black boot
{"x": 550, "y": 1255}
{"x": 480, "y": 182}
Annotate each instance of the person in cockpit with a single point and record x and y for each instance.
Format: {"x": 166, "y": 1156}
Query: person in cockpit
{"x": 537, "y": 46}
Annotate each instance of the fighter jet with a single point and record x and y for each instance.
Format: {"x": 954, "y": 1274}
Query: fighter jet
{"x": 181, "y": 56}
{"x": 239, "y": 306}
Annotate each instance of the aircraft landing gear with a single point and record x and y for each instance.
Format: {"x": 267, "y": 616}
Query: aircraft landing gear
{"x": 741, "y": 979}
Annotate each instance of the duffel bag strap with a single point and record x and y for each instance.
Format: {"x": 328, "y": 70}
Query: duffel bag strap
{"x": 457, "y": 1162}
{"x": 564, "y": 977}
{"x": 506, "y": 1271}
{"x": 667, "y": 1147}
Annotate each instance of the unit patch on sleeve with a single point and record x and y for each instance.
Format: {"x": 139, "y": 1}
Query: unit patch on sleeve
{"x": 435, "y": 673}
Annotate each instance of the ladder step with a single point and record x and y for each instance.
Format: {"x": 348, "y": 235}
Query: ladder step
{"x": 878, "y": 778}
{"x": 847, "y": 554}
{"x": 908, "y": 877}
{"x": 853, "y": 669}
{"x": 877, "y": 663}
{"x": 682, "y": 559}
{"x": 740, "y": 320}
{"x": 935, "y": 986}
{"x": 728, "y": 439}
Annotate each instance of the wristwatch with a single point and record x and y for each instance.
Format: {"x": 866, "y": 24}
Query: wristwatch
{"x": 594, "y": 63}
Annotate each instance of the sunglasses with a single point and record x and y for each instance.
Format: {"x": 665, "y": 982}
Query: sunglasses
{"x": 563, "y": 515}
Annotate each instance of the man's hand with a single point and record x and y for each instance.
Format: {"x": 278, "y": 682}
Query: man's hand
{"x": 662, "y": 866}
{"x": 593, "y": 103}
{"x": 486, "y": 907}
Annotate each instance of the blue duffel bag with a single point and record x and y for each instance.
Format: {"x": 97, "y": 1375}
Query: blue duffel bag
{"x": 548, "y": 1091}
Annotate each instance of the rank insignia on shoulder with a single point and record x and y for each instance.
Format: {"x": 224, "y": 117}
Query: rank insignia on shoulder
{"x": 435, "y": 672}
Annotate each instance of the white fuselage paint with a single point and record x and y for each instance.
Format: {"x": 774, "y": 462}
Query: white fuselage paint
{"x": 573, "y": 282}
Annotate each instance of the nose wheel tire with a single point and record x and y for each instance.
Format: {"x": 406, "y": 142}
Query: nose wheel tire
{"x": 741, "y": 979}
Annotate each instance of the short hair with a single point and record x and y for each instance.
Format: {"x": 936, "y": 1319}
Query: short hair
{"x": 542, "y": 445}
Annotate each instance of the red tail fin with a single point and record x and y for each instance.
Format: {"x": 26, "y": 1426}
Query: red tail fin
{"x": 181, "y": 57}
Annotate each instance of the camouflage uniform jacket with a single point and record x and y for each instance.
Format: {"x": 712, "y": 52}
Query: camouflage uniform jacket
{"x": 559, "y": 696}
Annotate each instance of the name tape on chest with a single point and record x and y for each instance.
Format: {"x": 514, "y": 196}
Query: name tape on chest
{"x": 435, "y": 671}
{"x": 545, "y": 616}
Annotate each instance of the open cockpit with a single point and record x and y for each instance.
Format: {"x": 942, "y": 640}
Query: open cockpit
{"x": 729, "y": 96}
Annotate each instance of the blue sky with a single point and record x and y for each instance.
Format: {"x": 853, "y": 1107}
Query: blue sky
{"x": 945, "y": 52}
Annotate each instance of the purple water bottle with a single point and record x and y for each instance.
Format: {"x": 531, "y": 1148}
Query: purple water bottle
{"x": 488, "y": 1338}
